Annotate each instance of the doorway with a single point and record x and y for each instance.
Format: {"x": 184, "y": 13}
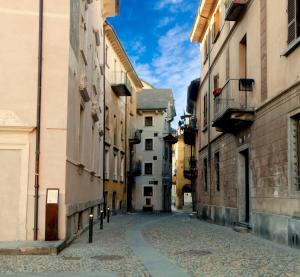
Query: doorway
{"x": 114, "y": 196}
{"x": 244, "y": 189}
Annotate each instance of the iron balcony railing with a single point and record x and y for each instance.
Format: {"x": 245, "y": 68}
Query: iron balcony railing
{"x": 135, "y": 136}
{"x": 117, "y": 78}
{"x": 236, "y": 94}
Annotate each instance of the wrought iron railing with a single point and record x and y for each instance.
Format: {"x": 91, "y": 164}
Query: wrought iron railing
{"x": 235, "y": 94}
{"x": 119, "y": 78}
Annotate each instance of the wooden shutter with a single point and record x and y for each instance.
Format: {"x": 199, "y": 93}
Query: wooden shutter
{"x": 298, "y": 154}
{"x": 292, "y": 20}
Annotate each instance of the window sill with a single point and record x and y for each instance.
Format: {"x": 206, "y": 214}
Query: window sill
{"x": 291, "y": 47}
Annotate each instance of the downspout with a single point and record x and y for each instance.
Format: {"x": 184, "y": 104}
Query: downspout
{"x": 125, "y": 158}
{"x": 209, "y": 123}
{"x": 38, "y": 121}
{"x": 104, "y": 125}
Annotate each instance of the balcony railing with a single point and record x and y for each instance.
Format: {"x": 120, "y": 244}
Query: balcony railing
{"x": 234, "y": 9}
{"x": 190, "y": 130}
{"x": 233, "y": 104}
{"x": 189, "y": 167}
{"x": 135, "y": 137}
{"x": 120, "y": 83}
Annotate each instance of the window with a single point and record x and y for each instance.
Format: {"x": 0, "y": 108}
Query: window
{"x": 243, "y": 57}
{"x": 155, "y": 134}
{"x": 115, "y": 130}
{"x": 106, "y": 169}
{"x": 205, "y": 50}
{"x": 106, "y": 56}
{"x": 217, "y": 170}
{"x": 148, "y": 121}
{"x": 205, "y": 175}
{"x": 295, "y": 153}
{"x": 149, "y": 144}
{"x": 122, "y": 131}
{"x": 293, "y": 20}
{"x": 216, "y": 26}
{"x": 148, "y": 191}
{"x": 115, "y": 166}
{"x": 122, "y": 169}
{"x": 148, "y": 168}
{"x": 81, "y": 132}
{"x": 205, "y": 111}
{"x": 154, "y": 158}
{"x": 216, "y": 81}
{"x": 107, "y": 117}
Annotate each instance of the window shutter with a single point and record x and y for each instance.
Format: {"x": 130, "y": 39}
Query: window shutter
{"x": 298, "y": 155}
{"x": 292, "y": 24}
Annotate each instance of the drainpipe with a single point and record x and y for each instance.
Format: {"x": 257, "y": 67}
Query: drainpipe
{"x": 38, "y": 121}
{"x": 104, "y": 116}
{"x": 125, "y": 158}
{"x": 209, "y": 123}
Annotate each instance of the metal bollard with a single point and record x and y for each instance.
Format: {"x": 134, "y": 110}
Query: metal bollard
{"x": 91, "y": 218}
{"x": 104, "y": 210}
{"x": 108, "y": 215}
{"x": 101, "y": 220}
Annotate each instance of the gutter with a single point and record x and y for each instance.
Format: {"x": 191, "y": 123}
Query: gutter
{"x": 38, "y": 121}
{"x": 104, "y": 126}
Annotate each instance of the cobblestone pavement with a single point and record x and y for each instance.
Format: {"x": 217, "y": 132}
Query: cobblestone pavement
{"x": 195, "y": 247}
{"x": 204, "y": 249}
{"x": 109, "y": 244}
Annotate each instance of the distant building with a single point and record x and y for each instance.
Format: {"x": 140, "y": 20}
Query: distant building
{"x": 248, "y": 116}
{"x": 153, "y": 157}
{"x": 183, "y": 156}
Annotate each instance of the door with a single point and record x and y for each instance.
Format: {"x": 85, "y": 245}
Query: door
{"x": 245, "y": 189}
{"x": 114, "y": 201}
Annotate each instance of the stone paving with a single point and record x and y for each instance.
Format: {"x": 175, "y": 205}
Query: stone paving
{"x": 189, "y": 246}
{"x": 204, "y": 249}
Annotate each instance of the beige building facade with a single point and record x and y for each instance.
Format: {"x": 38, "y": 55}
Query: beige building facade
{"x": 121, "y": 86}
{"x": 51, "y": 114}
{"x": 247, "y": 110}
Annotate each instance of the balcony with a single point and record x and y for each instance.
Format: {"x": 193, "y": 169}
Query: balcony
{"x": 120, "y": 83}
{"x": 189, "y": 170}
{"x": 136, "y": 137}
{"x": 234, "y": 9}
{"x": 233, "y": 106}
{"x": 136, "y": 169}
{"x": 190, "y": 130}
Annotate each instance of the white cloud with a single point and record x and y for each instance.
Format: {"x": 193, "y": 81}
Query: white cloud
{"x": 165, "y": 21}
{"x": 175, "y": 66}
{"x": 163, "y": 3}
{"x": 174, "y": 6}
{"x": 138, "y": 47}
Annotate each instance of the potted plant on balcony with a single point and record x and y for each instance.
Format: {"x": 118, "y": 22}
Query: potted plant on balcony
{"x": 217, "y": 92}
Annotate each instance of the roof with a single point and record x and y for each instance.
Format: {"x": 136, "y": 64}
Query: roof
{"x": 156, "y": 99}
{"x": 205, "y": 11}
{"x": 120, "y": 51}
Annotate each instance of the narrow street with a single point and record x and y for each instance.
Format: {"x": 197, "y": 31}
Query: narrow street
{"x": 161, "y": 245}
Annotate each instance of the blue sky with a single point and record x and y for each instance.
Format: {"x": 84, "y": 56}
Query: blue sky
{"x": 155, "y": 34}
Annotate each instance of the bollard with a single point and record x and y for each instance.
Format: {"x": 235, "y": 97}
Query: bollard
{"x": 104, "y": 210}
{"x": 101, "y": 220}
{"x": 108, "y": 215}
{"x": 91, "y": 228}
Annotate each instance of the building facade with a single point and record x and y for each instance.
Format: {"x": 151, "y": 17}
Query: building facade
{"x": 247, "y": 109}
{"x": 121, "y": 87}
{"x": 153, "y": 157}
{"x": 182, "y": 176}
{"x": 51, "y": 121}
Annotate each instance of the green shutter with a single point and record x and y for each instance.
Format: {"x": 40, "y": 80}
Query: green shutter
{"x": 292, "y": 22}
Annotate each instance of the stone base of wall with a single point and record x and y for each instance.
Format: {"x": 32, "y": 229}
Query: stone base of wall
{"x": 220, "y": 215}
{"x": 278, "y": 228}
